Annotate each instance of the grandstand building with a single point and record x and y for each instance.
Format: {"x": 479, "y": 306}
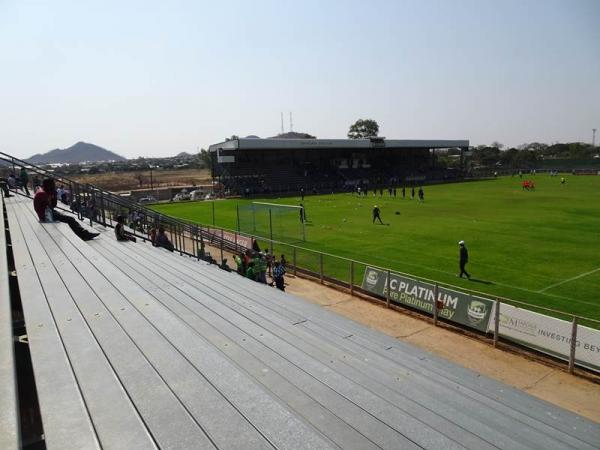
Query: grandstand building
{"x": 257, "y": 166}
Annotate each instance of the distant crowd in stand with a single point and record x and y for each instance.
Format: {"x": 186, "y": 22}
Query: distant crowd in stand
{"x": 392, "y": 192}
{"x": 256, "y": 265}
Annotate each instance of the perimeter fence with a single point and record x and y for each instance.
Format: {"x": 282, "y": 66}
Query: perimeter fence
{"x": 568, "y": 337}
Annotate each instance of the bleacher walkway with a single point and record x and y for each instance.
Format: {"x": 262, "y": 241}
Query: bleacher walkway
{"x": 136, "y": 347}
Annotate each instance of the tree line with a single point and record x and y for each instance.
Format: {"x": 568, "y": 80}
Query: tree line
{"x": 528, "y": 155}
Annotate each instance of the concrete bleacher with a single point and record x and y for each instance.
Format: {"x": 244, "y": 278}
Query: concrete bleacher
{"x": 136, "y": 347}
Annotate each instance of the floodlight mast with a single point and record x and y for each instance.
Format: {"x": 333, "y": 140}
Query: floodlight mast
{"x": 593, "y": 137}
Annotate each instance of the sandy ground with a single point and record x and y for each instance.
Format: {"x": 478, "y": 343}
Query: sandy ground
{"x": 546, "y": 381}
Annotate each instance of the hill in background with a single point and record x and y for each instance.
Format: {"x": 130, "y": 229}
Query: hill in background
{"x": 78, "y": 153}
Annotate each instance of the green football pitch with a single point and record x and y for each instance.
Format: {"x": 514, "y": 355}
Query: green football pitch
{"x": 540, "y": 247}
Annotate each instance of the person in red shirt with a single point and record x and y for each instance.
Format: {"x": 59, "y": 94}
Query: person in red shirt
{"x": 44, "y": 202}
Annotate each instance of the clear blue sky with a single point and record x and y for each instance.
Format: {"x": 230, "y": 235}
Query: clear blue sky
{"x": 155, "y": 78}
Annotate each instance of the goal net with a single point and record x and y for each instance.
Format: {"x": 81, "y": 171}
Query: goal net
{"x": 272, "y": 221}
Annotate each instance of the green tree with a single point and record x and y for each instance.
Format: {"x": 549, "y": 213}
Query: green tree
{"x": 363, "y": 128}
{"x": 204, "y": 158}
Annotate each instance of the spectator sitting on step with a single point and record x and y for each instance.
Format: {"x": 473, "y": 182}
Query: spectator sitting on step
{"x": 239, "y": 262}
{"x": 278, "y": 272}
{"x": 162, "y": 240}
{"x": 36, "y": 183}
{"x": 4, "y": 187}
{"x": 152, "y": 236}
{"x": 60, "y": 193}
{"x": 262, "y": 268}
{"x": 247, "y": 258}
{"x": 44, "y": 202}
{"x": 24, "y": 180}
{"x": 12, "y": 181}
{"x": 120, "y": 232}
{"x": 250, "y": 273}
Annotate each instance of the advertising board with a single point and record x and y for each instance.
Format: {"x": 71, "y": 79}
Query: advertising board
{"x": 549, "y": 335}
{"x": 471, "y": 311}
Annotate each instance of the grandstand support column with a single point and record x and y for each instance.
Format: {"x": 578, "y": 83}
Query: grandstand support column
{"x": 496, "y": 322}
{"x": 351, "y": 277}
{"x": 321, "y": 267}
{"x": 387, "y": 289}
{"x": 573, "y": 345}
{"x": 435, "y": 304}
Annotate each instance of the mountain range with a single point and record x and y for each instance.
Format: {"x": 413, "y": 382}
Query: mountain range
{"x": 78, "y": 153}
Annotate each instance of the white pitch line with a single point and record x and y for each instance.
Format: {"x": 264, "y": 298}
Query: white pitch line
{"x": 581, "y": 275}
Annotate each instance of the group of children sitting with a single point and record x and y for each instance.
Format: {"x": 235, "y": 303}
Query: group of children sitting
{"x": 255, "y": 266}
{"x": 158, "y": 237}
{"x": 251, "y": 264}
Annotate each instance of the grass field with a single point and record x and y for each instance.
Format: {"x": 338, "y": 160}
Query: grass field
{"x": 540, "y": 247}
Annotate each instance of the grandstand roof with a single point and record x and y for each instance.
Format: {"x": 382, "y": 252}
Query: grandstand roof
{"x": 274, "y": 143}
{"x": 136, "y": 347}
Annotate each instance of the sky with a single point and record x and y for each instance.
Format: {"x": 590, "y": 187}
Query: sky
{"x": 154, "y": 78}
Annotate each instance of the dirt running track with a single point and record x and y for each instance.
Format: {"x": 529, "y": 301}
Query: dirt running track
{"x": 544, "y": 381}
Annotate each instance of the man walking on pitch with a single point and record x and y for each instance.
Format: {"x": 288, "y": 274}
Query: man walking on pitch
{"x": 376, "y": 214}
{"x": 464, "y": 259}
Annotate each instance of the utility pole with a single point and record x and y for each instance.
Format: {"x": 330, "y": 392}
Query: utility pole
{"x": 282, "y": 122}
{"x": 291, "y": 122}
{"x": 593, "y": 137}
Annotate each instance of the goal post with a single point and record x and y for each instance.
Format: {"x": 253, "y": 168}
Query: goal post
{"x": 273, "y": 221}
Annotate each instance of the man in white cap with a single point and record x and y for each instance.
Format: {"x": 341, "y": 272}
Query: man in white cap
{"x": 464, "y": 259}
{"x": 376, "y": 214}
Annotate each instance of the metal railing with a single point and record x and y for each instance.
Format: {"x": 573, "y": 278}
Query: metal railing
{"x": 92, "y": 203}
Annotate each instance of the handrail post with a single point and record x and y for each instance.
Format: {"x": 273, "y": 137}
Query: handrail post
{"x": 181, "y": 239}
{"x": 201, "y": 250}
{"x": 102, "y": 210}
{"x": 321, "y": 267}
{"x": 294, "y": 260}
{"x": 387, "y": 289}
{"x": 221, "y": 247}
{"x": 573, "y": 345}
{"x": 496, "y": 323}
{"x": 435, "y": 304}
{"x": 92, "y": 199}
{"x": 352, "y": 277}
